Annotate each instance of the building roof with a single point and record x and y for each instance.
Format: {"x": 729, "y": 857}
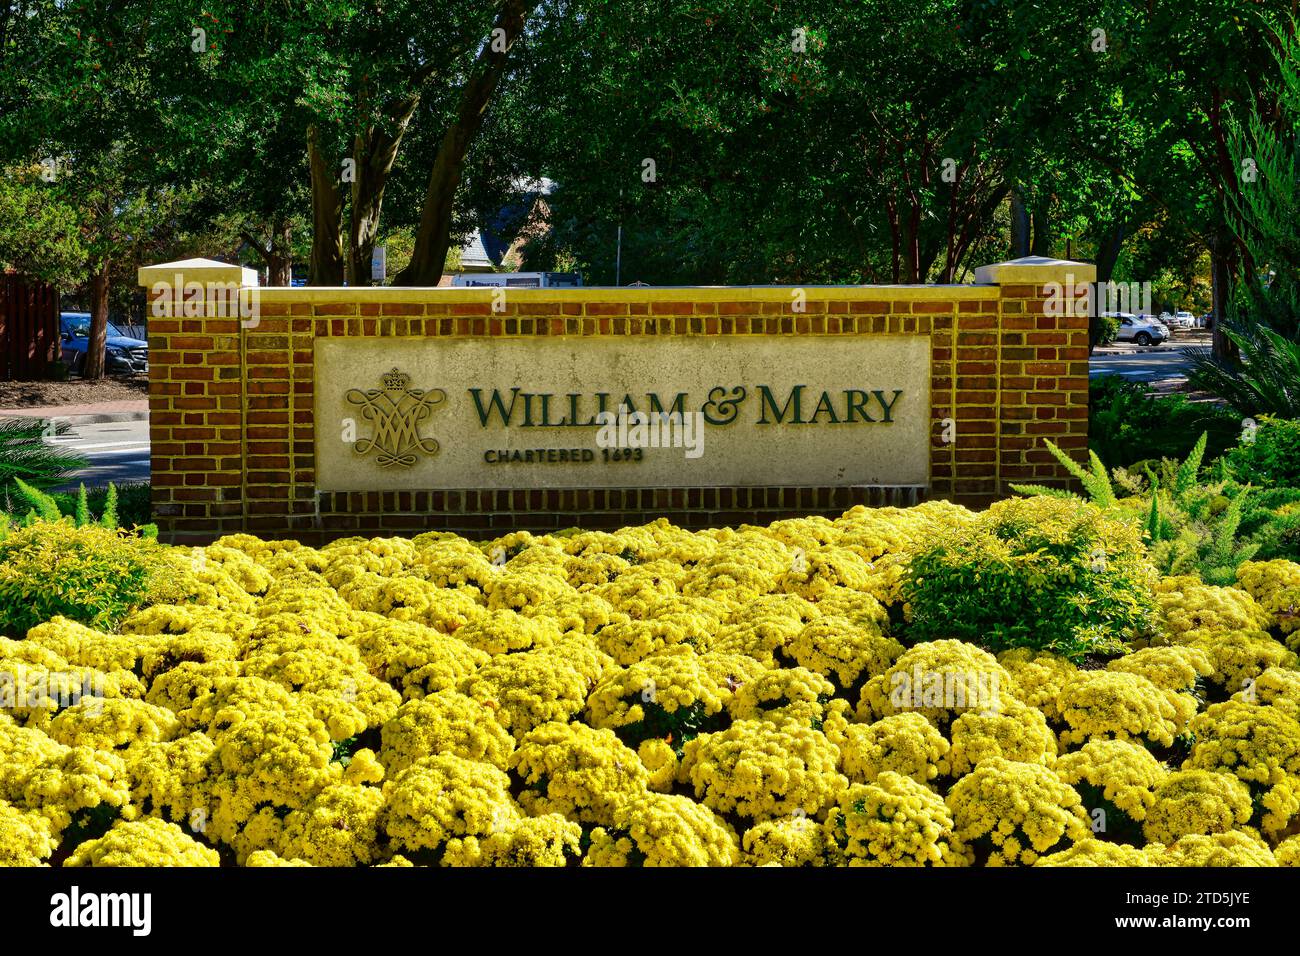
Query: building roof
{"x": 473, "y": 257}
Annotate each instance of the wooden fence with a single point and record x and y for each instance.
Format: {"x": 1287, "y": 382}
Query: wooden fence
{"x": 29, "y": 328}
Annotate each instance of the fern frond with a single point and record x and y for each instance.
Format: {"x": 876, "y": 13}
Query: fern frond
{"x": 45, "y": 507}
{"x": 109, "y": 518}
{"x": 1070, "y": 465}
{"x": 1188, "y": 471}
{"x": 1095, "y": 481}
{"x": 82, "y": 515}
{"x": 1153, "y": 516}
{"x": 1098, "y": 483}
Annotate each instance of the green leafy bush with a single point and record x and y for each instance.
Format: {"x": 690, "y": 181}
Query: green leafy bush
{"x": 102, "y": 506}
{"x": 1269, "y": 455}
{"x": 26, "y": 455}
{"x": 1128, "y": 423}
{"x": 1193, "y": 525}
{"x": 1107, "y": 328}
{"x": 90, "y": 574}
{"x": 1271, "y": 519}
{"x": 1196, "y": 520}
{"x": 1043, "y": 572}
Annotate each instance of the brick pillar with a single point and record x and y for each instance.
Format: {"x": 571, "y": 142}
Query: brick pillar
{"x": 198, "y": 309}
{"x": 1042, "y": 362}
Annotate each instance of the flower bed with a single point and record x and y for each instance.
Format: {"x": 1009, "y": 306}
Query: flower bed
{"x": 784, "y": 695}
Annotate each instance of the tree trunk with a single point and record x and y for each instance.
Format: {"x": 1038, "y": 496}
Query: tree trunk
{"x": 93, "y": 368}
{"x": 1042, "y": 242}
{"x": 1019, "y": 226}
{"x": 278, "y": 259}
{"x": 429, "y": 255}
{"x": 1220, "y": 292}
{"x": 279, "y": 262}
{"x": 327, "y": 217}
{"x": 375, "y": 153}
{"x": 1108, "y": 250}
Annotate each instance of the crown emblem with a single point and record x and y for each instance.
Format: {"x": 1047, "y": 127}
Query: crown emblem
{"x": 396, "y": 381}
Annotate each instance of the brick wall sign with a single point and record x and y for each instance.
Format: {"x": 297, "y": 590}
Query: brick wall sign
{"x": 601, "y": 412}
{"x": 317, "y": 413}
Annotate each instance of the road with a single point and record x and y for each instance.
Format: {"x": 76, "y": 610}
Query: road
{"x": 1155, "y": 364}
{"x": 116, "y": 452}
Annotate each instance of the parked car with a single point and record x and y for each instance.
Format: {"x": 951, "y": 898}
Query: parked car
{"x": 1182, "y": 320}
{"x": 1140, "y": 329}
{"x": 122, "y": 354}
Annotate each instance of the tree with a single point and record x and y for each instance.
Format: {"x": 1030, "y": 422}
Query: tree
{"x": 1263, "y": 321}
{"x": 74, "y": 100}
{"x": 40, "y": 234}
{"x": 799, "y": 141}
{"x": 434, "y": 234}
{"x": 1194, "y": 63}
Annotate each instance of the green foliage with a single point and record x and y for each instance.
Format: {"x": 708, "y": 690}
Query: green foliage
{"x": 82, "y": 507}
{"x": 42, "y": 505}
{"x": 1127, "y": 423}
{"x": 39, "y": 233}
{"x": 82, "y": 517}
{"x": 1193, "y": 524}
{"x": 1264, "y": 378}
{"x": 1094, "y": 479}
{"x": 1043, "y": 572}
{"x": 89, "y": 574}
{"x": 1271, "y": 519}
{"x": 1264, "y": 316}
{"x": 109, "y": 518}
{"x": 1107, "y": 330}
{"x": 1268, "y": 455}
{"x": 25, "y": 454}
{"x": 1268, "y": 460}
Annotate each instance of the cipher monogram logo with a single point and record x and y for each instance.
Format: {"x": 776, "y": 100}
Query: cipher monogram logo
{"x": 397, "y": 411}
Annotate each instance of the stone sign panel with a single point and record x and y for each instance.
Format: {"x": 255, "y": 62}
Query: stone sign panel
{"x": 491, "y": 413}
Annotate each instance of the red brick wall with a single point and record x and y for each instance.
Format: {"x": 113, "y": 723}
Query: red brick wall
{"x": 231, "y": 403}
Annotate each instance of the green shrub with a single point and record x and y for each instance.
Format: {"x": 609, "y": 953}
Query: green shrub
{"x": 101, "y": 506}
{"x": 25, "y": 454}
{"x": 90, "y": 574}
{"x": 1192, "y": 524}
{"x": 1271, "y": 519}
{"x": 1107, "y": 328}
{"x": 1128, "y": 423}
{"x": 1042, "y": 572}
{"x": 1270, "y": 458}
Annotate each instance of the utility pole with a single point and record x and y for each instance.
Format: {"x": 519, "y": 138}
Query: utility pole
{"x": 618, "y": 253}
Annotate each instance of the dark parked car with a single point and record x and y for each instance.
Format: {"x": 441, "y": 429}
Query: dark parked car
{"x": 122, "y": 354}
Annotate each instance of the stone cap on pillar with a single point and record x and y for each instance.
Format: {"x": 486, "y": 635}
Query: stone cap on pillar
{"x": 1036, "y": 270}
{"x": 202, "y": 271}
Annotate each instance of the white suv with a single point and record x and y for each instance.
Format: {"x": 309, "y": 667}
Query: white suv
{"x": 1140, "y": 329}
